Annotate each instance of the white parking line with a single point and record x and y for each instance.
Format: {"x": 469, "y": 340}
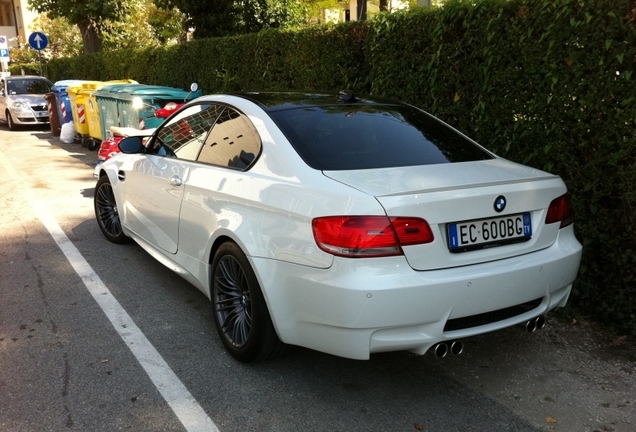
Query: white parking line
{"x": 187, "y": 409}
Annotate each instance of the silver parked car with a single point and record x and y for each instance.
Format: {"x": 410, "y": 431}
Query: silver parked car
{"x": 22, "y": 100}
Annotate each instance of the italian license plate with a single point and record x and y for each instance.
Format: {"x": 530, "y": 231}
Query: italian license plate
{"x": 482, "y": 233}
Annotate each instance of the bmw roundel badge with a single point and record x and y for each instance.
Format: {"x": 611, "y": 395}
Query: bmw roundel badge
{"x": 500, "y": 203}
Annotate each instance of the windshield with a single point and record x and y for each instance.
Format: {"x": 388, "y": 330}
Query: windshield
{"x": 349, "y": 137}
{"x": 28, "y": 86}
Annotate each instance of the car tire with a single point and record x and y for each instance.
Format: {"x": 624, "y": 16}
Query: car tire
{"x": 10, "y": 123}
{"x": 240, "y": 312}
{"x": 106, "y": 212}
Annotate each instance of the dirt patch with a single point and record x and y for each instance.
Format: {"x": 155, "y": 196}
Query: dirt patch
{"x": 565, "y": 377}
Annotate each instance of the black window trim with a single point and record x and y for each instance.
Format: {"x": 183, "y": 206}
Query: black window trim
{"x": 225, "y": 106}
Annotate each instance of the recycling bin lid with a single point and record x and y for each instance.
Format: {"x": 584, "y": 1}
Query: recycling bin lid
{"x": 147, "y": 92}
{"x": 60, "y": 86}
{"x": 111, "y": 90}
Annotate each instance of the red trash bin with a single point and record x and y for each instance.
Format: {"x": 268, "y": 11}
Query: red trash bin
{"x": 53, "y": 116}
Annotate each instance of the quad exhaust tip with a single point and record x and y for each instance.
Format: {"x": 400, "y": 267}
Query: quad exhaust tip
{"x": 443, "y": 348}
{"x": 535, "y": 324}
{"x": 456, "y": 347}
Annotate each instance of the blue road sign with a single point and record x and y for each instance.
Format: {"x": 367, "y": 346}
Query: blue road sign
{"x": 4, "y": 54}
{"x": 38, "y": 40}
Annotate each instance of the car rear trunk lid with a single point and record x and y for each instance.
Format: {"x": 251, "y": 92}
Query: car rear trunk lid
{"x": 446, "y": 194}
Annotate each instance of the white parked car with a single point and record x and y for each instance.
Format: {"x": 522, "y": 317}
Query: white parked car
{"x": 22, "y": 100}
{"x": 342, "y": 224}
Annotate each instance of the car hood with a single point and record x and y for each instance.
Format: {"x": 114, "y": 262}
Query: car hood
{"x": 30, "y": 99}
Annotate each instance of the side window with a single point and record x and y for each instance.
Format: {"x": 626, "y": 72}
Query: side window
{"x": 183, "y": 135}
{"x": 11, "y": 87}
{"x": 233, "y": 142}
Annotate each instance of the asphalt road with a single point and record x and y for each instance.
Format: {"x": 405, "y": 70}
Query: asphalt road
{"x": 100, "y": 337}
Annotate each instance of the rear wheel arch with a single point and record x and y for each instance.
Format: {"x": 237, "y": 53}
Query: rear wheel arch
{"x": 217, "y": 243}
{"x": 240, "y": 312}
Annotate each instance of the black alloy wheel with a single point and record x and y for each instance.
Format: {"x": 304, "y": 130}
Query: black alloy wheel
{"x": 233, "y": 301}
{"x": 106, "y": 212}
{"x": 240, "y": 312}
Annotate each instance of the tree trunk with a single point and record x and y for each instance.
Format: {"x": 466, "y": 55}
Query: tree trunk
{"x": 361, "y": 10}
{"x": 91, "y": 36}
{"x": 384, "y": 5}
{"x": 185, "y": 26}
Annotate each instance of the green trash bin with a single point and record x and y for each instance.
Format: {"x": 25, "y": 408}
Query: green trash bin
{"x": 134, "y": 105}
{"x": 138, "y": 103}
{"x": 107, "y": 99}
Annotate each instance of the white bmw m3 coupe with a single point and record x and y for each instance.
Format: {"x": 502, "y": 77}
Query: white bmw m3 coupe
{"x": 343, "y": 224}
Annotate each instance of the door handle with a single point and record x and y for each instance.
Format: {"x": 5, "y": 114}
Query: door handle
{"x": 175, "y": 181}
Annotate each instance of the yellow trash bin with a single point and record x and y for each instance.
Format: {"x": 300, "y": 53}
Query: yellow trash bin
{"x": 86, "y": 118}
{"x": 78, "y": 106}
{"x": 92, "y": 114}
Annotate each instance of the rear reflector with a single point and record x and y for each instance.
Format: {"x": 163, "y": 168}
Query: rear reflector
{"x": 560, "y": 210}
{"x": 369, "y": 236}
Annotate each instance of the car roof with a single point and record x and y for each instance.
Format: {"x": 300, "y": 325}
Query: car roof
{"x": 21, "y": 77}
{"x": 279, "y": 101}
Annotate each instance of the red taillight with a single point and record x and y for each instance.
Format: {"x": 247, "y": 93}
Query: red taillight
{"x": 369, "y": 236}
{"x": 560, "y": 210}
{"x": 412, "y": 231}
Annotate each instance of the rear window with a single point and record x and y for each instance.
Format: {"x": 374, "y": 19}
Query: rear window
{"x": 350, "y": 137}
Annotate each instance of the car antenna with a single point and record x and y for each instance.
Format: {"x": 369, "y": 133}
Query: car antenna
{"x": 346, "y": 96}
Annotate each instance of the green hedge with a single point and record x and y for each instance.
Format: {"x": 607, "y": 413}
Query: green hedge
{"x": 549, "y": 83}
{"x": 324, "y": 58}
{"x": 27, "y": 69}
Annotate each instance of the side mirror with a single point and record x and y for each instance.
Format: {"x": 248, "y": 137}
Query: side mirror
{"x": 131, "y": 145}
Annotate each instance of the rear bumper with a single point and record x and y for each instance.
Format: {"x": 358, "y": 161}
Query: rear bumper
{"x": 358, "y": 307}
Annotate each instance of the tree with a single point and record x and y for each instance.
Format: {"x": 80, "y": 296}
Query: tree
{"x": 142, "y": 24}
{"x": 64, "y": 41}
{"x": 131, "y": 29}
{"x": 167, "y": 25}
{"x": 231, "y": 17}
{"x": 108, "y": 24}
{"x": 88, "y": 15}
{"x": 208, "y": 18}
{"x": 257, "y": 15}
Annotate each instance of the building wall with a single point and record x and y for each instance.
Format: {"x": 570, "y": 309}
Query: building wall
{"x": 348, "y": 11}
{"x": 15, "y": 20}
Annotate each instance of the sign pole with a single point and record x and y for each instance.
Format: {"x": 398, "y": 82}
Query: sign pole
{"x": 4, "y": 53}
{"x": 38, "y": 41}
